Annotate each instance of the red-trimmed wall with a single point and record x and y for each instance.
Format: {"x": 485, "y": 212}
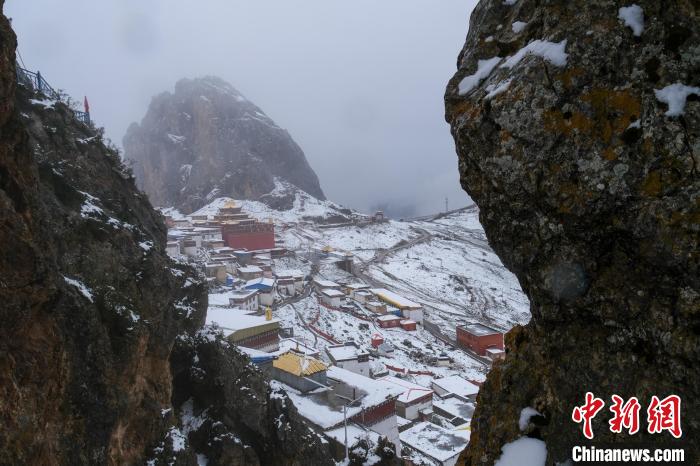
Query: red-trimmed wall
{"x": 251, "y": 241}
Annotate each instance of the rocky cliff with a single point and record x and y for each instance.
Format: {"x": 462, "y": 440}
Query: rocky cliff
{"x": 577, "y": 127}
{"x": 206, "y": 141}
{"x": 102, "y": 356}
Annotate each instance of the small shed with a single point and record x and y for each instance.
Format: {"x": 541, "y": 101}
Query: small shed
{"x": 332, "y": 297}
{"x": 376, "y": 306}
{"x": 389, "y": 321}
{"x": 408, "y": 324}
{"x": 377, "y": 340}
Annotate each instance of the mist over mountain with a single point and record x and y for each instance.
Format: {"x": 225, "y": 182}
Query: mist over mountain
{"x": 206, "y": 140}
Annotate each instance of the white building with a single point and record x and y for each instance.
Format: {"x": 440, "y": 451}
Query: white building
{"x": 245, "y": 299}
{"x": 250, "y": 272}
{"x": 457, "y": 386}
{"x": 321, "y": 285}
{"x": 353, "y": 288}
{"x": 266, "y": 289}
{"x": 349, "y": 356}
{"x": 414, "y": 400}
{"x": 173, "y": 249}
{"x": 332, "y": 297}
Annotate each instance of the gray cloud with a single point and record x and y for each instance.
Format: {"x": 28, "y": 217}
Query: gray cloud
{"x": 358, "y": 84}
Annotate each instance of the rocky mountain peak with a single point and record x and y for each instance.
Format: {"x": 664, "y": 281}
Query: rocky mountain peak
{"x": 206, "y": 140}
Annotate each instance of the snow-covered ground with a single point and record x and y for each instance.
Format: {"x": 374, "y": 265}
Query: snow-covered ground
{"x": 450, "y": 269}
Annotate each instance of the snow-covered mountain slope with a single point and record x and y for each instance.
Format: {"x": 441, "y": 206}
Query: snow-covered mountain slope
{"x": 285, "y": 204}
{"x": 444, "y": 263}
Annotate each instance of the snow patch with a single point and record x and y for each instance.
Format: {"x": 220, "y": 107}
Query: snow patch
{"x": 553, "y": 52}
{"x": 510, "y": 2}
{"x": 46, "y": 103}
{"x": 518, "y": 26}
{"x": 525, "y": 416}
{"x": 178, "y": 439}
{"x": 633, "y": 17}
{"x": 176, "y": 139}
{"x": 80, "y": 286}
{"x": 483, "y": 70}
{"x": 635, "y": 124}
{"x": 675, "y": 96}
{"x": 524, "y": 451}
{"x": 146, "y": 245}
{"x": 495, "y": 89}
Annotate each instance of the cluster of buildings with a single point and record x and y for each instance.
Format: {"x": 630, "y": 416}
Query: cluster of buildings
{"x": 334, "y": 390}
{"x": 337, "y": 389}
{"x": 222, "y": 235}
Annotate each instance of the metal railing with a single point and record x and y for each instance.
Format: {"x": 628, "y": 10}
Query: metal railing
{"x": 37, "y": 83}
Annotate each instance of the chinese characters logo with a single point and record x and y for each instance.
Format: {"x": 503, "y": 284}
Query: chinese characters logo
{"x": 662, "y": 415}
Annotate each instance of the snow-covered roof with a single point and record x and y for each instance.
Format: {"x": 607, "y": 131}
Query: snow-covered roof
{"x": 480, "y": 329}
{"x": 232, "y": 320}
{"x": 375, "y": 391}
{"x": 387, "y": 317}
{"x": 412, "y": 391}
{"x": 357, "y": 286}
{"x": 250, "y": 269}
{"x": 242, "y": 295}
{"x": 325, "y": 283}
{"x": 457, "y": 385}
{"x": 402, "y": 421}
{"x": 355, "y": 433}
{"x": 394, "y": 299}
{"x": 345, "y": 352}
{"x": 454, "y": 406}
{"x": 434, "y": 441}
{"x": 291, "y": 344}
{"x": 333, "y": 293}
{"x": 324, "y": 407}
{"x": 293, "y": 273}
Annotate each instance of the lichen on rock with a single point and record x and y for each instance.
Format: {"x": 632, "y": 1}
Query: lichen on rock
{"x": 589, "y": 191}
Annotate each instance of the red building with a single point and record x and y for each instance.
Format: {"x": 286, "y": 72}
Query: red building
{"x": 248, "y": 234}
{"x": 479, "y": 338}
{"x": 389, "y": 321}
{"x": 408, "y": 324}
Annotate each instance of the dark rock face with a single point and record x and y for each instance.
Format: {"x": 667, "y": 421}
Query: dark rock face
{"x": 206, "y": 141}
{"x": 589, "y": 191}
{"x": 92, "y": 308}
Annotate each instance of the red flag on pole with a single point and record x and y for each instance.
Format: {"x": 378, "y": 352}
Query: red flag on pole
{"x": 87, "y": 105}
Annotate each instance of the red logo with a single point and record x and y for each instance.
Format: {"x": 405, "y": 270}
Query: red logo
{"x": 665, "y": 415}
{"x": 661, "y": 415}
{"x": 587, "y": 412}
{"x": 625, "y": 415}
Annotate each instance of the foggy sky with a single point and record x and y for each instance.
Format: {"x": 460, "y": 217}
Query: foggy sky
{"x": 359, "y": 84}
